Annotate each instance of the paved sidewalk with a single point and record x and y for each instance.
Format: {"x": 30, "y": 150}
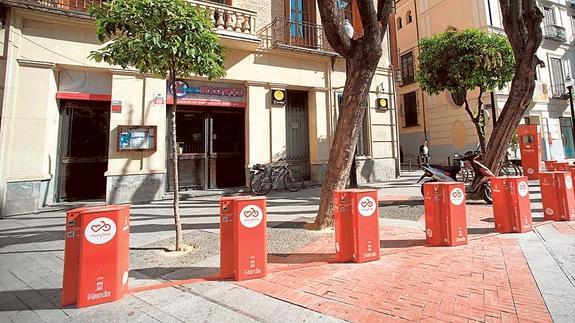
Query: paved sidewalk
{"x": 514, "y": 277}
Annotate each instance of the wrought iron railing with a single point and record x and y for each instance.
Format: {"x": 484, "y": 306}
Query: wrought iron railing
{"x": 295, "y": 34}
{"x": 559, "y": 91}
{"x": 556, "y": 33}
{"x": 67, "y": 6}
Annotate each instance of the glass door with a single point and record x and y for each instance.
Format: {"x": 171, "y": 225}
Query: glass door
{"x": 301, "y": 28}
{"x": 191, "y": 137}
{"x": 227, "y": 159}
{"x": 567, "y": 137}
{"x": 84, "y": 147}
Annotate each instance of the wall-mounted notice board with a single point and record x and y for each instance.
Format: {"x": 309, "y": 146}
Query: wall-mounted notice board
{"x": 136, "y": 138}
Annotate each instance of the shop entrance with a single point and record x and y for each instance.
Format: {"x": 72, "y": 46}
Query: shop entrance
{"x": 83, "y": 150}
{"x": 297, "y": 132}
{"x": 211, "y": 147}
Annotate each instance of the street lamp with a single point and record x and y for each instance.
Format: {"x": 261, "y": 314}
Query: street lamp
{"x": 569, "y": 83}
{"x": 348, "y": 28}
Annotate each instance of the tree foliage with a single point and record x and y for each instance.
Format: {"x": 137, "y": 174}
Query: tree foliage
{"x": 458, "y": 61}
{"x": 468, "y": 59}
{"x": 158, "y": 37}
{"x": 168, "y": 38}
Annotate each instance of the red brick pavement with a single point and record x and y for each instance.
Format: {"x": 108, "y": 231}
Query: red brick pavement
{"x": 487, "y": 280}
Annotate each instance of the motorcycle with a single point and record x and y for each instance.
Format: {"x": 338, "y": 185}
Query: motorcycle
{"x": 443, "y": 173}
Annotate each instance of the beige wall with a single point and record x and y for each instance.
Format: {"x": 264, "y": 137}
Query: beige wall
{"x": 49, "y": 52}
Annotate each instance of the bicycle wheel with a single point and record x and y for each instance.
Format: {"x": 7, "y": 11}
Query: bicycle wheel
{"x": 470, "y": 172}
{"x": 293, "y": 180}
{"x": 261, "y": 183}
{"x": 518, "y": 170}
{"x": 463, "y": 175}
{"x": 503, "y": 172}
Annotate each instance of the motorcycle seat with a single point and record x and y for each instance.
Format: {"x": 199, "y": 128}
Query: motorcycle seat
{"x": 449, "y": 169}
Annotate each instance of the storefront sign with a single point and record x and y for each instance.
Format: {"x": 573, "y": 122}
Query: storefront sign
{"x": 207, "y": 94}
{"x": 116, "y": 106}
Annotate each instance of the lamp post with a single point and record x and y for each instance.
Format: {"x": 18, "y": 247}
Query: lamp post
{"x": 348, "y": 30}
{"x": 569, "y": 83}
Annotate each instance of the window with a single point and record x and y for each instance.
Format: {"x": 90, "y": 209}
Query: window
{"x": 301, "y": 14}
{"x": 399, "y": 25}
{"x": 347, "y": 8}
{"x": 362, "y": 148}
{"x": 557, "y": 78}
{"x": 410, "y": 109}
{"x": 548, "y": 16}
{"x": 351, "y": 13}
{"x": 407, "y": 71}
{"x": 409, "y": 17}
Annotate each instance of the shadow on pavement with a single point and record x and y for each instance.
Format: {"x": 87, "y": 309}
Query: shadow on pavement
{"x": 11, "y": 300}
{"x": 173, "y": 273}
{"x": 480, "y": 230}
{"x": 299, "y": 258}
{"x": 401, "y": 243}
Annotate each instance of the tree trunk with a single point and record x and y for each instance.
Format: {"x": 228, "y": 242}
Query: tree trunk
{"x": 360, "y": 69}
{"x": 522, "y": 23}
{"x": 175, "y": 178}
{"x": 353, "y": 171}
{"x": 478, "y": 121}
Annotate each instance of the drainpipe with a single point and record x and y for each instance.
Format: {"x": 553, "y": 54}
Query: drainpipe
{"x": 493, "y": 110}
{"x": 417, "y": 47}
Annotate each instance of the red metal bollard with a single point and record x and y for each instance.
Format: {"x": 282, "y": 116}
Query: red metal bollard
{"x": 550, "y": 165}
{"x": 445, "y": 216}
{"x": 511, "y": 205}
{"x": 356, "y": 225}
{"x": 96, "y": 256}
{"x": 557, "y": 195}
{"x": 243, "y": 239}
{"x": 530, "y": 147}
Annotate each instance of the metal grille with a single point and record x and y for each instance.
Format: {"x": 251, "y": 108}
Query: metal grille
{"x": 558, "y": 88}
{"x": 297, "y": 132}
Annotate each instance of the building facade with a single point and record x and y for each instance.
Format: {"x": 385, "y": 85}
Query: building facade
{"x": 72, "y": 129}
{"x": 443, "y": 122}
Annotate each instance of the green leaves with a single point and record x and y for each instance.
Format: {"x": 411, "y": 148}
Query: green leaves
{"x": 466, "y": 59}
{"x": 158, "y": 37}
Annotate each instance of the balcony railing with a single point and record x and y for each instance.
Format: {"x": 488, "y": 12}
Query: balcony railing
{"x": 223, "y": 17}
{"x": 292, "y": 34}
{"x": 69, "y": 7}
{"x": 229, "y": 18}
{"x": 556, "y": 33}
{"x": 559, "y": 91}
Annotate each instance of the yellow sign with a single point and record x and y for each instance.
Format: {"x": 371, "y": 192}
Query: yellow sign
{"x": 381, "y": 104}
{"x": 278, "y": 96}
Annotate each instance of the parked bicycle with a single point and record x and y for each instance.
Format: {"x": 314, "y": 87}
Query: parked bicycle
{"x": 265, "y": 176}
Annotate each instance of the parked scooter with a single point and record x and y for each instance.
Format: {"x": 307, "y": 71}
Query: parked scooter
{"x": 442, "y": 173}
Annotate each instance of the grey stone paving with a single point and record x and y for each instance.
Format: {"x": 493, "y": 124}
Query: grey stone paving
{"x": 551, "y": 258}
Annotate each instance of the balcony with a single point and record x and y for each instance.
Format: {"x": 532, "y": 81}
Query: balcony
{"x": 75, "y": 8}
{"x": 229, "y": 19}
{"x": 225, "y": 18}
{"x": 559, "y": 91}
{"x": 555, "y": 32}
{"x": 289, "y": 34}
